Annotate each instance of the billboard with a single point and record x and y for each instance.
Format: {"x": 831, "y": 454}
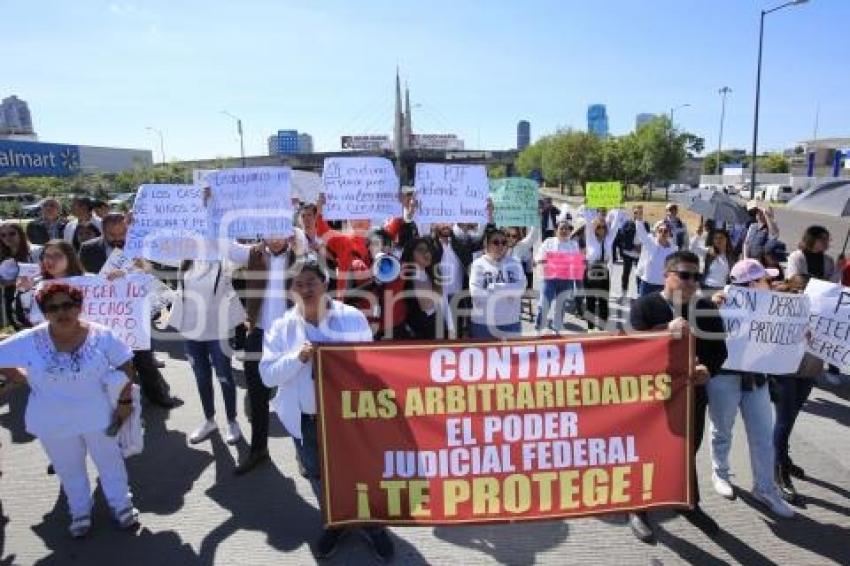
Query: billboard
{"x": 36, "y": 158}
{"x": 374, "y": 143}
{"x": 436, "y": 141}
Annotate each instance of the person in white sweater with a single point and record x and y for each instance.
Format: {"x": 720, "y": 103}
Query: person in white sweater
{"x": 557, "y": 290}
{"x": 496, "y": 284}
{"x": 654, "y": 251}
{"x": 289, "y": 348}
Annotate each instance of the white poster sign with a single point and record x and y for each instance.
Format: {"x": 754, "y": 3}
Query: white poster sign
{"x": 169, "y": 224}
{"x": 360, "y": 188}
{"x": 253, "y": 202}
{"x": 200, "y": 175}
{"x": 306, "y": 186}
{"x": 451, "y": 193}
{"x": 829, "y": 323}
{"x": 766, "y": 330}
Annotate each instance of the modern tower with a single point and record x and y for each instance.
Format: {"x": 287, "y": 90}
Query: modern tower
{"x": 15, "y": 117}
{"x": 523, "y": 134}
{"x": 597, "y": 120}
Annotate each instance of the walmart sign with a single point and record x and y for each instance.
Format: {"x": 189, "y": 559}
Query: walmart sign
{"x": 34, "y": 158}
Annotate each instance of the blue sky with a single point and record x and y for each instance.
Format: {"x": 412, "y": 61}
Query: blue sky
{"x": 100, "y": 72}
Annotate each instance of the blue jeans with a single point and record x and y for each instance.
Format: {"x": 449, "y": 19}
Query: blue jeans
{"x": 645, "y": 288}
{"x": 488, "y": 331}
{"x": 562, "y": 293}
{"x": 791, "y": 392}
{"x": 202, "y": 357}
{"x": 724, "y": 398}
{"x": 307, "y": 450}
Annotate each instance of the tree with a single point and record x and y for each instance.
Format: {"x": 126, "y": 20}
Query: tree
{"x": 531, "y": 158}
{"x": 709, "y": 164}
{"x": 572, "y": 158}
{"x": 496, "y": 171}
{"x": 774, "y": 163}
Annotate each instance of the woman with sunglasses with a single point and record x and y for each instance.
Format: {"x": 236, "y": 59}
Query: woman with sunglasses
{"x": 427, "y": 310}
{"x": 718, "y": 258}
{"x": 653, "y": 254}
{"x": 14, "y": 249}
{"x": 74, "y": 370}
{"x": 600, "y": 234}
{"x": 496, "y": 284}
{"x": 732, "y": 390}
{"x": 556, "y": 290}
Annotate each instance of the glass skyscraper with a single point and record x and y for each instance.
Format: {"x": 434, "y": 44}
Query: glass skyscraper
{"x": 597, "y": 120}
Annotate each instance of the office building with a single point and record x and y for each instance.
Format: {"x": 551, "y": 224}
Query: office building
{"x": 15, "y": 117}
{"x": 597, "y": 120}
{"x": 523, "y": 135}
{"x": 290, "y": 142}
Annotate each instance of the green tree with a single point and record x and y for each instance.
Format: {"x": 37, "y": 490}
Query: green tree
{"x": 709, "y": 164}
{"x": 572, "y": 158}
{"x": 496, "y": 171}
{"x": 774, "y": 163}
{"x": 531, "y": 158}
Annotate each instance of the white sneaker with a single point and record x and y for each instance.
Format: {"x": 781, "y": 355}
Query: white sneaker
{"x": 234, "y": 433}
{"x": 722, "y": 486}
{"x": 774, "y": 502}
{"x": 203, "y": 432}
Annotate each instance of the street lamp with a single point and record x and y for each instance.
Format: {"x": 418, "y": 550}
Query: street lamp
{"x": 673, "y": 111}
{"x": 723, "y": 92}
{"x": 161, "y": 142}
{"x": 239, "y": 130}
{"x": 758, "y": 90}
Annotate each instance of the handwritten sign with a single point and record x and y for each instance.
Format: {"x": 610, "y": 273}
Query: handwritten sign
{"x": 451, "y": 193}
{"x": 360, "y": 188}
{"x": 169, "y": 224}
{"x": 199, "y": 176}
{"x": 121, "y": 305}
{"x": 604, "y": 195}
{"x": 250, "y": 202}
{"x": 564, "y": 265}
{"x": 829, "y": 323}
{"x": 766, "y": 330}
{"x": 306, "y": 186}
{"x": 515, "y": 202}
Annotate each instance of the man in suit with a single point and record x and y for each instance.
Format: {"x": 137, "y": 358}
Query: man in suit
{"x": 548, "y": 218}
{"x": 93, "y": 255}
{"x": 50, "y": 226}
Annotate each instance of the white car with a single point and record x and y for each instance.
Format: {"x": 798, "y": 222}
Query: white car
{"x": 775, "y": 193}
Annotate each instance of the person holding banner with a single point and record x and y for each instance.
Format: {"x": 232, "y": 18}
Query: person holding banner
{"x": 650, "y": 269}
{"x": 731, "y": 390}
{"x": 72, "y": 368}
{"x": 496, "y": 284}
{"x": 675, "y": 307}
{"x": 289, "y": 349}
{"x": 557, "y": 287}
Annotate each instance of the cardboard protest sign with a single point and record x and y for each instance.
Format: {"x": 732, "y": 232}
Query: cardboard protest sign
{"x": 360, "y": 188}
{"x": 123, "y": 305}
{"x": 766, "y": 330}
{"x": 451, "y": 193}
{"x": 829, "y": 323}
{"x": 252, "y": 202}
{"x": 169, "y": 224}
{"x": 459, "y": 432}
{"x": 306, "y": 186}
{"x": 515, "y": 202}
{"x": 564, "y": 265}
{"x": 604, "y": 195}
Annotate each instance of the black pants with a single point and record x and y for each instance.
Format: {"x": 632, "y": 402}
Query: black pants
{"x": 700, "y": 406}
{"x": 628, "y": 263}
{"x": 153, "y": 385}
{"x": 258, "y": 394}
{"x": 597, "y": 287}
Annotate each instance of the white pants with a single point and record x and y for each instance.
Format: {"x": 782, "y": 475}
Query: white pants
{"x": 68, "y": 456}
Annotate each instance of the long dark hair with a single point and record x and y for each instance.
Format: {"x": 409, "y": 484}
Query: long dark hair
{"x": 74, "y": 266}
{"x": 811, "y": 236}
{"x": 23, "y": 252}
{"x": 407, "y": 259}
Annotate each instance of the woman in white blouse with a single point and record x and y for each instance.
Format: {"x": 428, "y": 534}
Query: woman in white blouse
{"x": 557, "y": 291}
{"x": 496, "y": 284}
{"x": 600, "y": 234}
{"x": 72, "y": 368}
{"x": 718, "y": 258}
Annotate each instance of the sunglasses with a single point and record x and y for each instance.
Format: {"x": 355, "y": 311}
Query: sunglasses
{"x": 8, "y": 234}
{"x": 687, "y": 275}
{"x": 498, "y": 242}
{"x": 61, "y": 307}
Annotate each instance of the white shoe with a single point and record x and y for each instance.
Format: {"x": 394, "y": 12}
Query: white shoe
{"x": 722, "y": 486}
{"x": 203, "y": 432}
{"x": 774, "y": 502}
{"x": 234, "y": 433}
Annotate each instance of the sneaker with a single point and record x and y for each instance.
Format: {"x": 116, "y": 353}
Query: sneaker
{"x": 785, "y": 485}
{"x": 640, "y": 526}
{"x": 203, "y": 432}
{"x": 722, "y": 486}
{"x": 774, "y": 502}
{"x": 381, "y": 543}
{"x": 80, "y": 526}
{"x": 328, "y": 543}
{"x": 127, "y": 518}
{"x": 234, "y": 433}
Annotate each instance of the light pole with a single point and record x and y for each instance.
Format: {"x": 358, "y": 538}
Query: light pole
{"x": 758, "y": 90}
{"x": 723, "y": 92}
{"x": 673, "y": 111}
{"x": 161, "y": 142}
{"x": 239, "y": 130}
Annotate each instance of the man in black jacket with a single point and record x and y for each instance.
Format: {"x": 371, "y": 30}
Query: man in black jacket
{"x": 548, "y": 218}
{"x": 93, "y": 254}
{"x": 50, "y": 226}
{"x": 675, "y": 307}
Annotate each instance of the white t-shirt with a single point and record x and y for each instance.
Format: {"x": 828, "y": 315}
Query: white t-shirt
{"x": 451, "y": 270}
{"x": 68, "y": 390}
{"x": 554, "y": 244}
{"x": 650, "y": 266}
{"x": 496, "y": 289}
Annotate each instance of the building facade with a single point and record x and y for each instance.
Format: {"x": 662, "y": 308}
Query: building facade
{"x": 29, "y": 159}
{"x": 290, "y": 142}
{"x": 15, "y": 117}
{"x": 523, "y": 134}
{"x": 597, "y": 120}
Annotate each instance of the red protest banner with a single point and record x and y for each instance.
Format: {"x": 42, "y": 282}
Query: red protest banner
{"x": 461, "y": 432}
{"x": 564, "y": 265}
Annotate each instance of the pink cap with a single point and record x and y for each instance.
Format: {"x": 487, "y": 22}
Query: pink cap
{"x": 748, "y": 270}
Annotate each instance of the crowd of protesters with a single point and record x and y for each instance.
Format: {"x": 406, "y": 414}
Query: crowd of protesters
{"x": 275, "y": 299}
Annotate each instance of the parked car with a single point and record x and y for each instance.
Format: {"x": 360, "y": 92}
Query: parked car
{"x": 775, "y": 193}
{"x": 122, "y": 200}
